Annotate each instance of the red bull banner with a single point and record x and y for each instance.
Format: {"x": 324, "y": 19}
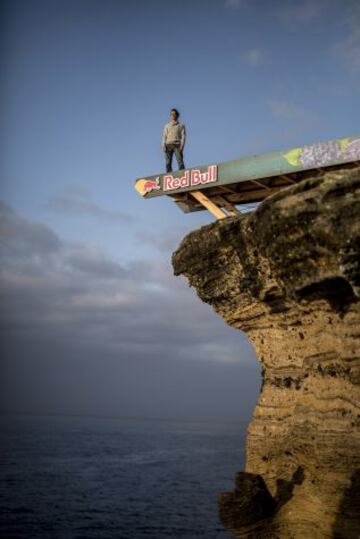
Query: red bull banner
{"x": 172, "y": 182}
{"x": 311, "y": 156}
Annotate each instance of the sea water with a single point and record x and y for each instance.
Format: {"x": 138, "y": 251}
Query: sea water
{"x": 84, "y": 478}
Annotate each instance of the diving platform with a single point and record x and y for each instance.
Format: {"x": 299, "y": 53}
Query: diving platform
{"x": 223, "y": 188}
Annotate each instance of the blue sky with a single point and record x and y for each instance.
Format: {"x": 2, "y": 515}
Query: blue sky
{"x": 86, "y": 88}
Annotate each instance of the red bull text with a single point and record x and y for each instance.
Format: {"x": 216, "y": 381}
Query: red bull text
{"x": 191, "y": 178}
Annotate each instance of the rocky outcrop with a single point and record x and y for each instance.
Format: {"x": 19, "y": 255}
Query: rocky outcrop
{"x": 288, "y": 275}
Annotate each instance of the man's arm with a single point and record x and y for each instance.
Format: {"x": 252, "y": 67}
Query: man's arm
{"x": 163, "y": 141}
{"x": 183, "y": 137}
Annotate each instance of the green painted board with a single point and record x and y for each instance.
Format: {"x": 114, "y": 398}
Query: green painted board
{"x": 312, "y": 156}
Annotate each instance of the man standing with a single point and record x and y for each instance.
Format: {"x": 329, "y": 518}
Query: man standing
{"x": 173, "y": 141}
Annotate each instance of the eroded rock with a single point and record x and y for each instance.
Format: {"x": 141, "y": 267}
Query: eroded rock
{"x": 288, "y": 275}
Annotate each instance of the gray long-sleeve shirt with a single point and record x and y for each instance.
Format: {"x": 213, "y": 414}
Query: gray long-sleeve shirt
{"x": 174, "y": 133}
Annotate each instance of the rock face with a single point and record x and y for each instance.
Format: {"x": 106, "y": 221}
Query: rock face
{"x": 288, "y": 275}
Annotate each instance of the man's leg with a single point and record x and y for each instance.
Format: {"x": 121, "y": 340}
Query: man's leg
{"x": 169, "y": 151}
{"x": 179, "y": 157}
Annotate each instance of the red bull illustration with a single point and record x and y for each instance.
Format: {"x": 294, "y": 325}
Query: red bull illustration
{"x": 145, "y": 186}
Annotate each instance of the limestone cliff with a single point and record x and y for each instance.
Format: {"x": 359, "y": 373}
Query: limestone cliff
{"x": 288, "y": 275}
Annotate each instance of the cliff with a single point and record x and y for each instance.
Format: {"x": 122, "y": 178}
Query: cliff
{"x": 288, "y": 275}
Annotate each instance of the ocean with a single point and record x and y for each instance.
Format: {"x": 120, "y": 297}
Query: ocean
{"x": 85, "y": 478}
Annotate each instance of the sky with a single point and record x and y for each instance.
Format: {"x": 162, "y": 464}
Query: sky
{"x": 93, "y": 321}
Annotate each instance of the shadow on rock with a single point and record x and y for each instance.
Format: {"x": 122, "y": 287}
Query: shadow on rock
{"x": 347, "y": 524}
{"x": 285, "y": 488}
{"x": 249, "y": 502}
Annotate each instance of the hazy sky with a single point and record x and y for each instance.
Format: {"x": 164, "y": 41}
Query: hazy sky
{"x": 93, "y": 319}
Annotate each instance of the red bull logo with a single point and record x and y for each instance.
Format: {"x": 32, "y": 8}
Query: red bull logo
{"x": 150, "y": 185}
{"x": 145, "y": 186}
{"x": 191, "y": 178}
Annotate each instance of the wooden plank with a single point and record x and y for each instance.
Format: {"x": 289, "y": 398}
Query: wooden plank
{"x": 210, "y": 206}
{"x": 250, "y": 196}
{"x": 227, "y": 189}
{"x": 260, "y": 184}
{"x": 236, "y": 198}
{"x": 230, "y": 208}
{"x": 286, "y": 177}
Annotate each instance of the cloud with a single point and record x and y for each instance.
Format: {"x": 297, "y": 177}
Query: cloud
{"x": 348, "y": 49}
{"x": 90, "y": 261}
{"x": 77, "y": 201}
{"x": 62, "y": 292}
{"x": 283, "y": 110}
{"x": 254, "y": 57}
{"x": 23, "y": 239}
{"x": 84, "y": 334}
{"x": 234, "y": 4}
{"x": 300, "y": 12}
{"x": 165, "y": 242}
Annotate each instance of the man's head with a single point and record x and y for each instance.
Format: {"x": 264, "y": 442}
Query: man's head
{"x": 174, "y": 114}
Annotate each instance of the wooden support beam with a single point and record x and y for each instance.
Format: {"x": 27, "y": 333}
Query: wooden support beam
{"x": 260, "y": 184}
{"x": 230, "y": 208}
{"x": 286, "y": 177}
{"x": 210, "y": 206}
{"x": 253, "y": 196}
{"x": 216, "y": 197}
{"x": 227, "y": 189}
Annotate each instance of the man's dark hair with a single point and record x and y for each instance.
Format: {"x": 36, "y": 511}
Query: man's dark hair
{"x": 176, "y": 112}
